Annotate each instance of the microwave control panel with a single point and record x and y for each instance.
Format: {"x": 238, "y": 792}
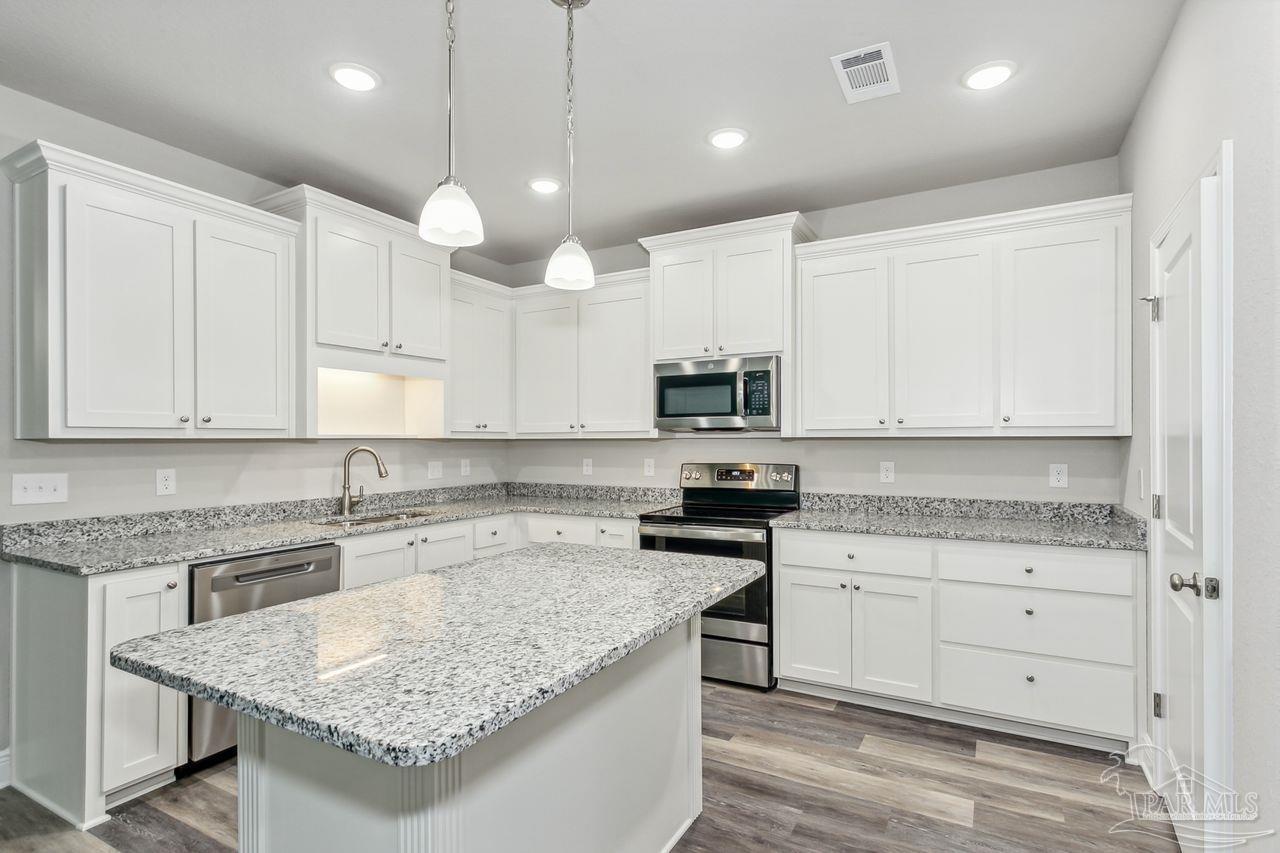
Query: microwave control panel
{"x": 757, "y": 393}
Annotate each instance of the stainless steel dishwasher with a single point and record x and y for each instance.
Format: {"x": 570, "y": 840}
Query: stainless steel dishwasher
{"x": 228, "y": 587}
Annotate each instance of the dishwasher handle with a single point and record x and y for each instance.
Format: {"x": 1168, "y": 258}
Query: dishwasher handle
{"x": 262, "y": 576}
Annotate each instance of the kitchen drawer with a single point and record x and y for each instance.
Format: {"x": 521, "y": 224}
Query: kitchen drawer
{"x": 1042, "y": 621}
{"x": 616, "y": 533}
{"x": 441, "y": 545}
{"x": 562, "y": 528}
{"x": 851, "y": 552}
{"x": 1107, "y": 572}
{"x": 492, "y": 532}
{"x": 1074, "y": 695}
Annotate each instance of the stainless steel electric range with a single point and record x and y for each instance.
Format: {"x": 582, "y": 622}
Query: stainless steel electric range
{"x": 725, "y": 511}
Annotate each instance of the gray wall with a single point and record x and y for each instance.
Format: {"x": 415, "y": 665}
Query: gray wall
{"x": 1219, "y": 79}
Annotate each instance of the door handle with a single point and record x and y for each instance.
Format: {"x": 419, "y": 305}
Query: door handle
{"x": 1177, "y": 583}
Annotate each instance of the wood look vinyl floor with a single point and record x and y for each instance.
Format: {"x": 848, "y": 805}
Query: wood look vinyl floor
{"x": 781, "y": 772}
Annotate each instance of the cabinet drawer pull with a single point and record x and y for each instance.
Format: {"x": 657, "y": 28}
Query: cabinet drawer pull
{"x": 1029, "y": 570}
{"x": 171, "y": 585}
{"x": 1030, "y": 612}
{"x": 559, "y": 532}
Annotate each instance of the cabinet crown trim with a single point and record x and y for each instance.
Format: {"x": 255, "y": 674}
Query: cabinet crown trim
{"x": 1075, "y": 211}
{"x": 39, "y": 156}
{"x": 613, "y": 279}
{"x": 793, "y": 222}
{"x": 292, "y": 201}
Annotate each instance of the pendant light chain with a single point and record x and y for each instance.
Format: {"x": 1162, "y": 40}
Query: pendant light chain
{"x": 569, "y": 109}
{"x": 449, "y": 35}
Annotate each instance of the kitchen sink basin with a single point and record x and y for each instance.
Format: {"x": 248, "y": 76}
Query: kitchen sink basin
{"x": 348, "y": 522}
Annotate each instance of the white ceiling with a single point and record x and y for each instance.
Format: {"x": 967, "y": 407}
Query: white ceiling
{"x": 245, "y": 83}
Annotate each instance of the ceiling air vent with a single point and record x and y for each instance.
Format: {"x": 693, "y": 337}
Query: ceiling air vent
{"x": 866, "y": 73}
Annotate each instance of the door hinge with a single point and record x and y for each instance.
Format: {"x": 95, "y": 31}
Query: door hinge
{"x": 1157, "y": 506}
{"x": 1157, "y": 705}
{"x": 1212, "y": 588}
{"x": 1154, "y": 302}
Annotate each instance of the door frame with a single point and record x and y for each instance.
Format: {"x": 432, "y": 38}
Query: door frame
{"x": 1215, "y": 183}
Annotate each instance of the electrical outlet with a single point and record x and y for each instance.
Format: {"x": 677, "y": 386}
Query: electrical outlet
{"x": 166, "y": 481}
{"x": 886, "y": 472}
{"x": 465, "y": 465}
{"x": 648, "y": 467}
{"x": 586, "y": 467}
{"x": 39, "y": 489}
{"x": 435, "y": 469}
{"x": 1057, "y": 476}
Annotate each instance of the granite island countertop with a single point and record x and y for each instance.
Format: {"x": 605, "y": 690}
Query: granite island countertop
{"x": 91, "y": 556}
{"x": 412, "y": 671}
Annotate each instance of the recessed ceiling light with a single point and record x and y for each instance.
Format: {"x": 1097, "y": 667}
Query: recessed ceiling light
{"x": 727, "y": 137}
{"x": 989, "y": 74}
{"x": 357, "y": 78}
{"x": 546, "y": 186}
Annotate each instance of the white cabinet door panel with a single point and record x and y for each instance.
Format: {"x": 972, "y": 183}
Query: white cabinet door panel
{"x": 616, "y": 533}
{"x": 559, "y": 528}
{"x": 242, "y": 327}
{"x": 466, "y": 366}
{"x": 139, "y": 717}
{"x": 547, "y": 366}
{"x": 443, "y": 545}
{"x": 816, "y": 626}
{"x": 352, "y": 292}
{"x": 944, "y": 358}
{"x": 683, "y": 303}
{"x": 893, "y": 636}
{"x": 613, "y": 364}
{"x": 845, "y": 342}
{"x": 375, "y": 558}
{"x": 749, "y": 304}
{"x": 419, "y": 276}
{"x": 495, "y": 382}
{"x": 129, "y": 312}
{"x": 1059, "y": 326}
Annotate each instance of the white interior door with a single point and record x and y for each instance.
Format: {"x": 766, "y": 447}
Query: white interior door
{"x": 129, "y": 314}
{"x": 242, "y": 327}
{"x": 547, "y": 366}
{"x": 1189, "y": 657}
{"x": 613, "y": 361}
{"x": 419, "y": 299}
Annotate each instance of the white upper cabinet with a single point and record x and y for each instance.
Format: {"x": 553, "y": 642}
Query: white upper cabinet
{"x": 724, "y": 290}
{"x": 943, "y": 342}
{"x": 1059, "y": 323}
{"x": 1014, "y": 324}
{"x": 177, "y": 305}
{"x": 243, "y": 284}
{"x": 613, "y": 372}
{"x": 845, "y": 342}
{"x": 547, "y": 365}
{"x": 480, "y": 360}
{"x": 683, "y": 284}
{"x": 352, "y": 302}
{"x": 418, "y": 299}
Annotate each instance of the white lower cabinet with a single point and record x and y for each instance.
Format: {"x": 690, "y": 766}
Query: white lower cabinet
{"x": 560, "y": 528}
{"x": 617, "y": 533}
{"x": 1043, "y": 636}
{"x": 377, "y": 557}
{"x": 441, "y": 545}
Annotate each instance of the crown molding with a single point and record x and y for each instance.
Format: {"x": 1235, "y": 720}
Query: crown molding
{"x": 40, "y": 156}
{"x": 793, "y": 222}
{"x": 294, "y": 200}
{"x": 484, "y": 285}
{"x": 1074, "y": 211}
{"x": 609, "y": 279}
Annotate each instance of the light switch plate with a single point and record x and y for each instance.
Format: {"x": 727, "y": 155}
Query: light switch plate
{"x": 1058, "y": 476}
{"x": 39, "y": 489}
{"x": 166, "y": 481}
{"x": 465, "y": 465}
{"x": 586, "y": 467}
{"x": 648, "y": 467}
{"x": 435, "y": 469}
{"x": 886, "y": 472}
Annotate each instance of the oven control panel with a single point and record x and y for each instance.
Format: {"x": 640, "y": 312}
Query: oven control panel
{"x": 735, "y": 475}
{"x": 740, "y": 475}
{"x": 757, "y": 393}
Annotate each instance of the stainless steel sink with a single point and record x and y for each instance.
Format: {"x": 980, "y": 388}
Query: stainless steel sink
{"x": 348, "y": 522}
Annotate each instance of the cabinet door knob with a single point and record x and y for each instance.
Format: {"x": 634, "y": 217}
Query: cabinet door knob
{"x": 857, "y": 586}
{"x": 423, "y": 539}
{"x": 1031, "y": 678}
{"x": 185, "y": 419}
{"x": 1029, "y": 570}
{"x": 399, "y": 346}
{"x": 721, "y": 348}
{"x": 706, "y": 349}
{"x": 171, "y": 585}
{"x": 1030, "y": 612}
{"x": 844, "y": 586}
{"x": 484, "y": 426}
{"x": 571, "y": 426}
{"x": 206, "y": 419}
{"x": 559, "y": 532}
{"x": 386, "y": 343}
{"x": 901, "y": 421}
{"x": 882, "y": 420}
{"x": 602, "y": 530}
{"x": 493, "y": 533}
{"x": 850, "y": 555}
{"x": 1006, "y": 419}
{"x": 582, "y": 426}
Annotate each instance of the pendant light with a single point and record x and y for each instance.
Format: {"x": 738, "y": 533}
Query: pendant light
{"x": 450, "y": 217}
{"x": 570, "y": 267}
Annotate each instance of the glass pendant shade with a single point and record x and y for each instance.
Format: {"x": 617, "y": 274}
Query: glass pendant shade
{"x": 450, "y": 217}
{"x": 570, "y": 267}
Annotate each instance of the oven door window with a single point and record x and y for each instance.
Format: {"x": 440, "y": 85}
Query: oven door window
{"x": 749, "y": 604}
{"x": 699, "y": 395}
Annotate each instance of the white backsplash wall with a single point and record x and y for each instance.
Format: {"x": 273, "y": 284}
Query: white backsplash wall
{"x": 975, "y": 468}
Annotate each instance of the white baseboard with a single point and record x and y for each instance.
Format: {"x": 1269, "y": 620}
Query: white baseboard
{"x": 5, "y": 772}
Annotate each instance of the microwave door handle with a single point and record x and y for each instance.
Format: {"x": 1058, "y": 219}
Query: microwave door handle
{"x": 742, "y": 393}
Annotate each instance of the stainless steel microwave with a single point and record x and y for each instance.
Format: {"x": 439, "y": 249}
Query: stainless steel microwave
{"x": 718, "y": 394}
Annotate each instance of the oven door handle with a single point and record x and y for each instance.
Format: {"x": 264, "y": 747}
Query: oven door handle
{"x": 718, "y": 534}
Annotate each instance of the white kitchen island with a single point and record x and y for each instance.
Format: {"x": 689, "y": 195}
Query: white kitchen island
{"x": 544, "y": 699}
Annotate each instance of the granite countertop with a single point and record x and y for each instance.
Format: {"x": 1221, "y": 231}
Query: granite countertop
{"x": 1119, "y": 532}
{"x": 95, "y": 556}
{"x": 413, "y": 671}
